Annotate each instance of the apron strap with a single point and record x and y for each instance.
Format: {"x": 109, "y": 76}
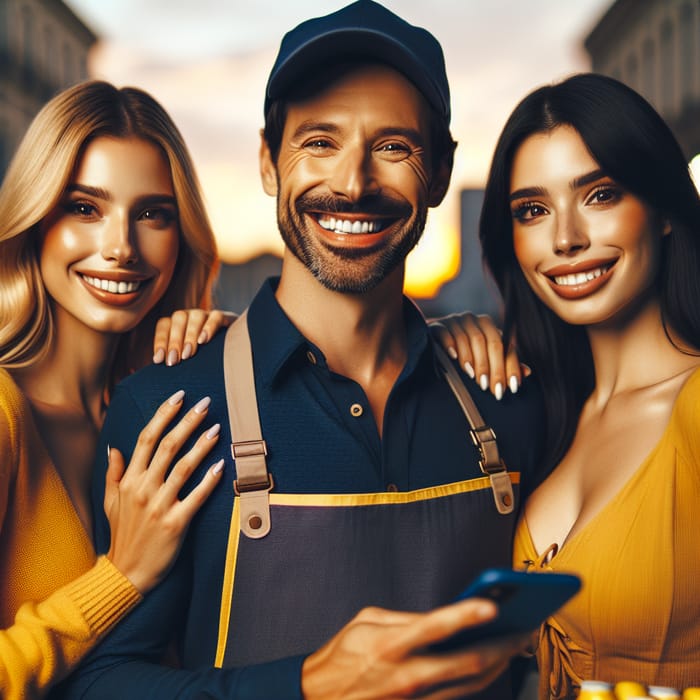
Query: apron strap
{"x": 482, "y": 436}
{"x": 248, "y": 448}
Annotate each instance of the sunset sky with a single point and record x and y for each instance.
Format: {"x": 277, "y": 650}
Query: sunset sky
{"x": 207, "y": 62}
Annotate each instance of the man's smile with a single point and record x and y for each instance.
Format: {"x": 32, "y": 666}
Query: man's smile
{"x": 340, "y": 225}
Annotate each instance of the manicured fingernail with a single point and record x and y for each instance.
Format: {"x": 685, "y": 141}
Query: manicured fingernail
{"x": 452, "y": 352}
{"x": 483, "y": 610}
{"x": 469, "y": 370}
{"x": 109, "y": 450}
{"x": 176, "y": 397}
{"x": 172, "y": 358}
{"x": 513, "y": 384}
{"x": 187, "y": 351}
{"x": 213, "y": 431}
{"x": 159, "y": 356}
{"x": 498, "y": 391}
{"x": 203, "y": 337}
{"x": 218, "y": 467}
{"x": 484, "y": 382}
{"x": 526, "y": 369}
{"x": 202, "y": 405}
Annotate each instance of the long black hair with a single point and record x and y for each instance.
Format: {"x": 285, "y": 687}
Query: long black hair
{"x": 635, "y": 147}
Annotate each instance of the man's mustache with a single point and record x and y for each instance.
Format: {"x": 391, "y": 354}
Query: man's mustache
{"x": 374, "y": 205}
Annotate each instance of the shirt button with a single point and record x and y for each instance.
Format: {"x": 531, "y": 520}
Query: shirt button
{"x": 393, "y": 488}
{"x": 311, "y": 357}
{"x": 356, "y": 410}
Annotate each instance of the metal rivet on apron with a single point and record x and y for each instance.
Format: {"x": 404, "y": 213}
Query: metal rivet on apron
{"x": 356, "y": 410}
{"x": 255, "y": 522}
{"x": 507, "y": 500}
{"x": 392, "y": 487}
{"x": 311, "y": 357}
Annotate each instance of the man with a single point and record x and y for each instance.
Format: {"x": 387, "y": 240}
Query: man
{"x": 357, "y": 490}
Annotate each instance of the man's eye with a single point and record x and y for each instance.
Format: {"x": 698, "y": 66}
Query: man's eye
{"x": 317, "y": 144}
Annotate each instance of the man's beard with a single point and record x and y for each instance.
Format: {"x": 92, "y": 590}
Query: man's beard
{"x": 343, "y": 269}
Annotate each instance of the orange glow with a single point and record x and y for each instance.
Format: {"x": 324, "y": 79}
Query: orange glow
{"x": 434, "y": 261}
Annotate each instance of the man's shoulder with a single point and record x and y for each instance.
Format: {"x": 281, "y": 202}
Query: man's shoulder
{"x": 153, "y": 382}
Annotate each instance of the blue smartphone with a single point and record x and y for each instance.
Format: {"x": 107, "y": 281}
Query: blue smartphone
{"x": 524, "y": 601}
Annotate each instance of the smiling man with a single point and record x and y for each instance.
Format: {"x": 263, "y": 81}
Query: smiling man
{"x": 367, "y": 487}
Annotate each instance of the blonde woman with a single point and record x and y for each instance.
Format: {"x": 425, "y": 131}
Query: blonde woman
{"x": 102, "y": 231}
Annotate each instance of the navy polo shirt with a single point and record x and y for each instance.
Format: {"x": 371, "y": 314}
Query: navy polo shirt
{"x": 321, "y": 438}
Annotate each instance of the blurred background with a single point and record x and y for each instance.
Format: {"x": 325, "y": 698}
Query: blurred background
{"x": 207, "y": 62}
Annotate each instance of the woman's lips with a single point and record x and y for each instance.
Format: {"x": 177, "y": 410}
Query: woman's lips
{"x": 114, "y": 290}
{"x": 575, "y": 282}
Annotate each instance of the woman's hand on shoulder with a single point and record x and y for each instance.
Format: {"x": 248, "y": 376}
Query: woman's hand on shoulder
{"x": 147, "y": 519}
{"x": 476, "y": 343}
{"x": 178, "y": 336}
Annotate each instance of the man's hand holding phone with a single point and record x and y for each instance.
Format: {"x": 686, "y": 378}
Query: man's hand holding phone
{"x": 450, "y": 652}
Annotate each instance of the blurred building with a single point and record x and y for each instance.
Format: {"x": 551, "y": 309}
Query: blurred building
{"x": 654, "y": 47}
{"x": 238, "y": 284}
{"x": 472, "y": 289}
{"x": 43, "y": 49}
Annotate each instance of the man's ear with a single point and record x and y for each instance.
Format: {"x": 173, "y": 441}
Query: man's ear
{"x": 440, "y": 181}
{"x": 268, "y": 171}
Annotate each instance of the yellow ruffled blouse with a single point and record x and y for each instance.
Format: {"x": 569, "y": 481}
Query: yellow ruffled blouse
{"x": 637, "y": 616}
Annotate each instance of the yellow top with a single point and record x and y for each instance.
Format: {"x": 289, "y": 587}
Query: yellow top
{"x": 637, "y": 616}
{"x": 56, "y": 601}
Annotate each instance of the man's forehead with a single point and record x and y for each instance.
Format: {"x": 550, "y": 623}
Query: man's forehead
{"x": 363, "y": 82}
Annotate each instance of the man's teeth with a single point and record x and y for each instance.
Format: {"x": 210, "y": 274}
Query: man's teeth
{"x": 580, "y": 277}
{"x": 112, "y": 286}
{"x": 346, "y": 226}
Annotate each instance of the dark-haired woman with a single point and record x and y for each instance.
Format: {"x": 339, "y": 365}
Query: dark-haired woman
{"x": 591, "y": 228}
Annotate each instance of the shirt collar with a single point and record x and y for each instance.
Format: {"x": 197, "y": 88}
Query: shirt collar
{"x": 278, "y": 345}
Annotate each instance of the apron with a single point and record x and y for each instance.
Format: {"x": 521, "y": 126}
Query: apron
{"x": 300, "y": 566}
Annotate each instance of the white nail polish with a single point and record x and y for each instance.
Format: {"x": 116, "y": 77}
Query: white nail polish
{"x": 513, "y": 384}
{"x": 176, "y": 397}
{"x": 213, "y": 431}
{"x": 469, "y": 370}
{"x": 484, "y": 382}
{"x": 202, "y": 405}
{"x": 159, "y": 356}
{"x": 498, "y": 391}
{"x": 452, "y": 352}
{"x": 187, "y": 351}
{"x": 109, "y": 450}
{"x": 218, "y": 467}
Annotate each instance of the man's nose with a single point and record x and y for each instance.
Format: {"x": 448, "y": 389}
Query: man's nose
{"x": 352, "y": 175}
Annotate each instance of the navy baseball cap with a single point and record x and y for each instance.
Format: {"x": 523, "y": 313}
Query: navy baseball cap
{"x": 364, "y": 30}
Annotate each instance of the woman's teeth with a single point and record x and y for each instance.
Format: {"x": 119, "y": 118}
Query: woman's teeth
{"x": 112, "y": 286}
{"x": 346, "y": 226}
{"x": 580, "y": 277}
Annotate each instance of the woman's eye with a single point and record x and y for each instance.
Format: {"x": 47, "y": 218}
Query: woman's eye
{"x": 161, "y": 218}
{"x": 528, "y": 211}
{"x": 604, "y": 195}
{"x": 82, "y": 209}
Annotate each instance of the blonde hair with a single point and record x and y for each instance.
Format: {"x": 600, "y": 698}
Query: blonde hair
{"x": 34, "y": 184}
